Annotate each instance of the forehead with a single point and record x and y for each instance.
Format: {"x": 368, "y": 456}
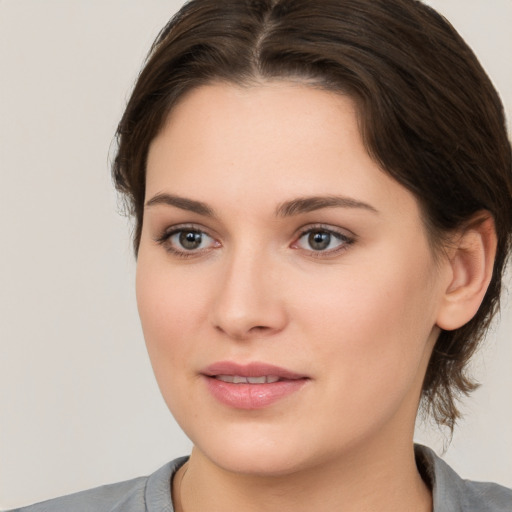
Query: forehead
{"x": 267, "y": 142}
{"x": 267, "y": 119}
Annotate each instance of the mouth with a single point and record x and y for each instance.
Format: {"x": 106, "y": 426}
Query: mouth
{"x": 251, "y": 386}
{"x": 239, "y": 379}
{"x": 252, "y": 373}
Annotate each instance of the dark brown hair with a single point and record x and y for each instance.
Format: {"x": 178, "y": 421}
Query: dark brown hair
{"x": 428, "y": 113}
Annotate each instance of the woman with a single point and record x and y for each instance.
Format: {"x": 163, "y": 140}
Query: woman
{"x": 323, "y": 202}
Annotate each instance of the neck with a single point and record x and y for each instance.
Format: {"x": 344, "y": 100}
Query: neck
{"x": 373, "y": 478}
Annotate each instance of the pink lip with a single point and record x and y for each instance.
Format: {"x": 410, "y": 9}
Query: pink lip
{"x": 250, "y": 370}
{"x": 251, "y": 396}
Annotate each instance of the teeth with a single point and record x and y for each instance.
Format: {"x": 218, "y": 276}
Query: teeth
{"x": 225, "y": 378}
{"x": 238, "y": 379}
{"x": 257, "y": 380}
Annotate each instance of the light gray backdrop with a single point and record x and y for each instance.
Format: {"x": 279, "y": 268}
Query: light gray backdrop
{"x": 78, "y": 403}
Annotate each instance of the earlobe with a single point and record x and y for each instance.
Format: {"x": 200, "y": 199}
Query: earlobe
{"x": 471, "y": 262}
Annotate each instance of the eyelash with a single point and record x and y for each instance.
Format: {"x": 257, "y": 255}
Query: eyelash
{"x": 166, "y": 236}
{"x": 345, "y": 241}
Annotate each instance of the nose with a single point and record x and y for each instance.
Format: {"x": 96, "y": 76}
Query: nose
{"x": 249, "y": 302}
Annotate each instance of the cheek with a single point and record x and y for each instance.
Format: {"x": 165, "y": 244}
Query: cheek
{"x": 170, "y": 305}
{"x": 373, "y": 322}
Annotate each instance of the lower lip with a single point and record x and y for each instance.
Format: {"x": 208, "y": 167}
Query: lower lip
{"x": 252, "y": 396}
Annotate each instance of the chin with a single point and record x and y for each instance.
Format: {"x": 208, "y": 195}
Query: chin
{"x": 256, "y": 461}
{"x": 261, "y": 450}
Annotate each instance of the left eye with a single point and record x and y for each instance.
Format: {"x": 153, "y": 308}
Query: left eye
{"x": 321, "y": 240}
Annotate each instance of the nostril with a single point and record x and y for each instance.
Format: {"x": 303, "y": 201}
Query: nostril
{"x": 238, "y": 333}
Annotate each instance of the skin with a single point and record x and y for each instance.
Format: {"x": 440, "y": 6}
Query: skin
{"x": 359, "y": 319}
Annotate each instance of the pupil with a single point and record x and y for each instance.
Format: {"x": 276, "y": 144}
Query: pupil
{"x": 319, "y": 240}
{"x": 190, "y": 239}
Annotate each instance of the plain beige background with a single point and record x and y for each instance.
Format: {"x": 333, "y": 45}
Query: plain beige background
{"x": 78, "y": 403}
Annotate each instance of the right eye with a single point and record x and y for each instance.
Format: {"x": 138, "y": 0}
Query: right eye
{"x": 186, "y": 242}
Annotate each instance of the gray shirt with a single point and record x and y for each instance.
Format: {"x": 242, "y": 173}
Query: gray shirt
{"x": 153, "y": 493}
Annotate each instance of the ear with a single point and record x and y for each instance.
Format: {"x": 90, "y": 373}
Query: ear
{"x": 470, "y": 261}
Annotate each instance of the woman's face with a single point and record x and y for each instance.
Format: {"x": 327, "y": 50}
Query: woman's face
{"x": 274, "y": 248}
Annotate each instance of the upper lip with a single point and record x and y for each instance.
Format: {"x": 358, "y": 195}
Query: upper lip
{"x": 254, "y": 369}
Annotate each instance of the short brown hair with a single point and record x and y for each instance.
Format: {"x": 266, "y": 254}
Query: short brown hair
{"x": 428, "y": 113}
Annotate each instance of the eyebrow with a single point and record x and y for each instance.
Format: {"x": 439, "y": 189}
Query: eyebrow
{"x": 286, "y": 209}
{"x": 182, "y": 203}
{"x": 309, "y": 204}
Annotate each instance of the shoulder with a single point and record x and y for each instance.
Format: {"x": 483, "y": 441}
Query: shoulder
{"x": 101, "y": 499}
{"x": 493, "y": 496}
{"x": 451, "y": 493}
{"x": 143, "y": 494}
